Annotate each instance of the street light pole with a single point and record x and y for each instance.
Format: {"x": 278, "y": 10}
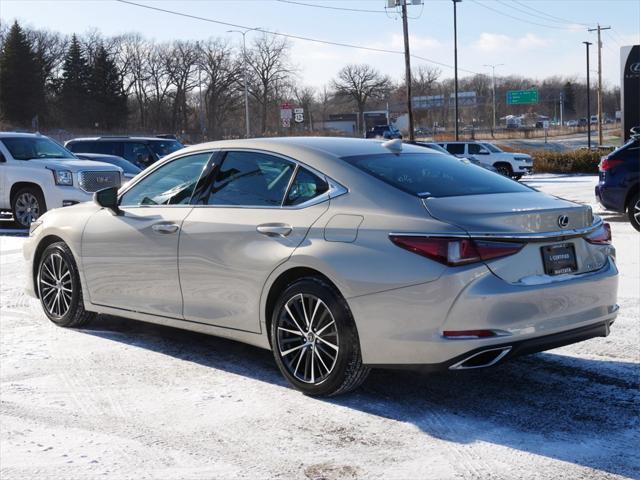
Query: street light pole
{"x": 455, "y": 64}
{"x": 588, "y": 99}
{"x": 493, "y": 88}
{"x": 407, "y": 67}
{"x": 246, "y": 80}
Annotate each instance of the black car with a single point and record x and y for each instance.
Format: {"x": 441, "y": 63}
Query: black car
{"x": 141, "y": 151}
{"x": 129, "y": 169}
{"x": 383, "y": 131}
{"x": 619, "y": 186}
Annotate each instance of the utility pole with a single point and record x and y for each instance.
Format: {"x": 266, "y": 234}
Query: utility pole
{"x": 588, "y": 99}
{"x": 455, "y": 64}
{"x": 493, "y": 88}
{"x": 561, "y": 108}
{"x": 246, "y": 80}
{"x": 599, "y": 30}
{"x": 407, "y": 67}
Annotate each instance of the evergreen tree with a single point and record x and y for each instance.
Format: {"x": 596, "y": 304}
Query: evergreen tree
{"x": 108, "y": 99}
{"x": 21, "y": 90}
{"x": 569, "y": 98}
{"x": 74, "y": 91}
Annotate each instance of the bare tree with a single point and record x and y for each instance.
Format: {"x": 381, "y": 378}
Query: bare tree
{"x": 133, "y": 54}
{"x": 306, "y": 97}
{"x": 425, "y": 78}
{"x": 223, "y": 74}
{"x": 270, "y": 69}
{"x": 158, "y": 84}
{"x": 181, "y": 63}
{"x": 361, "y": 83}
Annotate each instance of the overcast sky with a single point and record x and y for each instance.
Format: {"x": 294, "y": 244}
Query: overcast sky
{"x": 534, "y": 38}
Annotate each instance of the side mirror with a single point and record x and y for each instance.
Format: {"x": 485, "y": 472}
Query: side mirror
{"x": 2, "y": 158}
{"x": 108, "y": 198}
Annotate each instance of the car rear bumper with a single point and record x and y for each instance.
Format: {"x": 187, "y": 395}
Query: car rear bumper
{"x": 405, "y": 326}
{"x": 611, "y": 198}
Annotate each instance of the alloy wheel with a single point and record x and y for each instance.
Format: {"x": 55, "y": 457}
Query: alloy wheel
{"x": 636, "y": 211}
{"x": 307, "y": 337}
{"x": 27, "y": 208}
{"x": 56, "y": 286}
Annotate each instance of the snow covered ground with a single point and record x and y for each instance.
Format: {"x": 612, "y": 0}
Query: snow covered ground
{"x": 122, "y": 399}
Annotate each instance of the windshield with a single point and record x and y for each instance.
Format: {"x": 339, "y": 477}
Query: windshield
{"x": 165, "y": 147}
{"x": 30, "y": 148}
{"x": 492, "y": 148}
{"x": 434, "y": 175}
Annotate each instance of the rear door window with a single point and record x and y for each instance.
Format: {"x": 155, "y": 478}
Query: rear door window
{"x": 455, "y": 148}
{"x": 434, "y": 175}
{"x": 251, "y": 179}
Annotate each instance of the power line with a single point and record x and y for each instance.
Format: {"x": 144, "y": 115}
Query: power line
{"x": 526, "y": 12}
{"x": 330, "y": 7}
{"x": 287, "y": 35}
{"x": 500, "y": 12}
{"x": 550, "y": 17}
{"x": 612, "y": 38}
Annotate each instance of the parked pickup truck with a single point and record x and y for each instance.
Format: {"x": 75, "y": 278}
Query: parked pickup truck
{"x": 37, "y": 174}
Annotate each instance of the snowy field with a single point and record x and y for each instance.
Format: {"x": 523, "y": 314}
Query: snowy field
{"x": 122, "y": 399}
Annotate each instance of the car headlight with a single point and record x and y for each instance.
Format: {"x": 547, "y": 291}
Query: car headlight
{"x": 63, "y": 177}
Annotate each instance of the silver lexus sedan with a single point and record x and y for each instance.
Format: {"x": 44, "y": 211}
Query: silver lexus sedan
{"x": 339, "y": 255}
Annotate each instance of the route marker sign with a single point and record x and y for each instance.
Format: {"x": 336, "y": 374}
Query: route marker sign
{"x": 522, "y": 97}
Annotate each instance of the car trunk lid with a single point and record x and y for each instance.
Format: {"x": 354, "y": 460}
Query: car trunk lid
{"x": 518, "y": 213}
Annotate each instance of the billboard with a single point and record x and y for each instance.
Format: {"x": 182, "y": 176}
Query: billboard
{"x": 630, "y": 88}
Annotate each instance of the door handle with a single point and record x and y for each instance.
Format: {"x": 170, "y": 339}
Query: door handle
{"x": 165, "y": 228}
{"x": 274, "y": 229}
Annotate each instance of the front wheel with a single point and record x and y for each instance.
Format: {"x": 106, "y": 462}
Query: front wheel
{"x": 59, "y": 287}
{"x": 315, "y": 341}
{"x": 27, "y": 206}
{"x": 504, "y": 169}
{"x": 633, "y": 211}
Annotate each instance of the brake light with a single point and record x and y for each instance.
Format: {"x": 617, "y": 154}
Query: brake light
{"x": 602, "y": 236}
{"x": 609, "y": 163}
{"x": 455, "y": 251}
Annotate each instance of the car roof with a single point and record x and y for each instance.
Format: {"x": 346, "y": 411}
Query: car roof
{"x": 336, "y": 147}
{"x": 123, "y": 138}
{"x": 21, "y": 134}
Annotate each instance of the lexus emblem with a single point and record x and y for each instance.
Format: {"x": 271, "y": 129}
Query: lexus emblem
{"x": 634, "y": 67}
{"x": 563, "y": 221}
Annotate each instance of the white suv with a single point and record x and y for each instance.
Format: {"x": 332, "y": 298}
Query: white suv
{"x": 37, "y": 174}
{"x": 509, "y": 164}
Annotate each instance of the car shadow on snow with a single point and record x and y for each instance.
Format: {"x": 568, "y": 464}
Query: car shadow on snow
{"x": 571, "y": 409}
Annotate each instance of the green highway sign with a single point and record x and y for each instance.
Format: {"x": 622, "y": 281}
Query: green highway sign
{"x": 522, "y": 97}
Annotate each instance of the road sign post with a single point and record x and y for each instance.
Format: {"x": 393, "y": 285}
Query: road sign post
{"x": 522, "y": 97}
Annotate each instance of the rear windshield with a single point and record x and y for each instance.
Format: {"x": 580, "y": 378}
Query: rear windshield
{"x": 434, "y": 175}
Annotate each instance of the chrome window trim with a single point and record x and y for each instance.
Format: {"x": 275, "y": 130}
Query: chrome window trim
{"x": 335, "y": 188}
{"x": 531, "y": 237}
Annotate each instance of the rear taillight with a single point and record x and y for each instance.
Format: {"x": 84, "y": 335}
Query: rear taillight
{"x": 609, "y": 163}
{"x": 602, "y": 236}
{"x": 455, "y": 251}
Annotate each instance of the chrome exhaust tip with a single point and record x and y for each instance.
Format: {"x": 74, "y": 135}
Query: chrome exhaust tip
{"x": 482, "y": 359}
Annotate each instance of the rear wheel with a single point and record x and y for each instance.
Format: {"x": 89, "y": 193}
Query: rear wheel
{"x": 27, "y": 205}
{"x": 314, "y": 339}
{"x": 633, "y": 210}
{"x": 59, "y": 288}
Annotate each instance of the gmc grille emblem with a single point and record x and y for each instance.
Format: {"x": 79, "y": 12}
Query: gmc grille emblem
{"x": 563, "y": 221}
{"x": 102, "y": 180}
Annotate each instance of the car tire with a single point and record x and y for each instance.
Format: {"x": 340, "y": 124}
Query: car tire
{"x": 517, "y": 176}
{"x": 315, "y": 341}
{"x": 59, "y": 289}
{"x": 633, "y": 211}
{"x": 504, "y": 169}
{"x": 27, "y": 205}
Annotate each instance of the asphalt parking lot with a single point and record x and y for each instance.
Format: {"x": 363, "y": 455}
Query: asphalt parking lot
{"x": 122, "y": 399}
